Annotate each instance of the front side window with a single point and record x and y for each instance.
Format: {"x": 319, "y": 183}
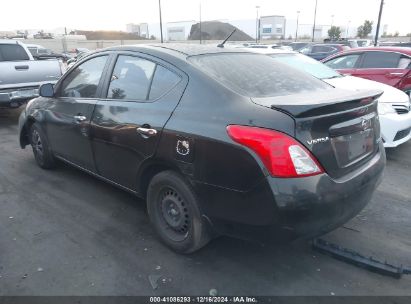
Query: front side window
{"x": 12, "y": 52}
{"x": 381, "y": 60}
{"x": 131, "y": 78}
{"x": 343, "y": 62}
{"x": 83, "y": 81}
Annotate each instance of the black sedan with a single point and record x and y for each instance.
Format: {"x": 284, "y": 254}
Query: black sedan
{"x": 218, "y": 141}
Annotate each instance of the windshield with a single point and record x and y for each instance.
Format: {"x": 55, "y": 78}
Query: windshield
{"x": 256, "y": 75}
{"x": 307, "y": 64}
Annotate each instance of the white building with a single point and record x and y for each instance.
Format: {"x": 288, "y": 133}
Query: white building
{"x": 180, "y": 30}
{"x": 272, "y": 27}
{"x": 144, "y": 32}
{"x": 133, "y": 28}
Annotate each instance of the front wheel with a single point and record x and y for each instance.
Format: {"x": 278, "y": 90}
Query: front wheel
{"x": 173, "y": 210}
{"x": 41, "y": 148}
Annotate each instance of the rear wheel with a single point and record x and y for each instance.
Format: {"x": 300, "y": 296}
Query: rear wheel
{"x": 41, "y": 148}
{"x": 173, "y": 210}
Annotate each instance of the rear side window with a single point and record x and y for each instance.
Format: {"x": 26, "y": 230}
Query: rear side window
{"x": 343, "y": 62}
{"x": 380, "y": 60}
{"x": 131, "y": 78}
{"x": 12, "y": 52}
{"x": 82, "y": 82}
{"x": 256, "y": 75}
{"x": 163, "y": 81}
{"x": 405, "y": 63}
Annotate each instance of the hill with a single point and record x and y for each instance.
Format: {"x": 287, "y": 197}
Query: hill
{"x": 216, "y": 30}
{"x": 109, "y": 35}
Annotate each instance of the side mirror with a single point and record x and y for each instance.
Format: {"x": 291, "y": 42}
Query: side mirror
{"x": 46, "y": 90}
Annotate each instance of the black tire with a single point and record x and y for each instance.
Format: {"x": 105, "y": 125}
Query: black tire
{"x": 41, "y": 148}
{"x": 174, "y": 213}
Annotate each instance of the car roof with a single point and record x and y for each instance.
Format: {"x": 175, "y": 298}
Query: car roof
{"x": 268, "y": 51}
{"x": 403, "y": 50}
{"x": 187, "y": 49}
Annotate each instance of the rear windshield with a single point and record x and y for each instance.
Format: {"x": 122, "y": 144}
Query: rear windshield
{"x": 12, "y": 52}
{"x": 255, "y": 75}
{"x": 307, "y": 64}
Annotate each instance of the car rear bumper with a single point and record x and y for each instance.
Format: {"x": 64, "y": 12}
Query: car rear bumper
{"x": 287, "y": 209}
{"x": 395, "y": 129}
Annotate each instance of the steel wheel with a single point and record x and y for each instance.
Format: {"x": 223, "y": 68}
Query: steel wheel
{"x": 175, "y": 214}
{"x": 173, "y": 208}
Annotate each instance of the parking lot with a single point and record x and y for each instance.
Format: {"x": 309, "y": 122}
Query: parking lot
{"x": 63, "y": 232}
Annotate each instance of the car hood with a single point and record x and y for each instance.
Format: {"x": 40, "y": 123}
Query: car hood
{"x": 390, "y": 95}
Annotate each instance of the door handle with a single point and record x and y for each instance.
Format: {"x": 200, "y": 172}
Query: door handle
{"x": 80, "y": 118}
{"x": 21, "y": 67}
{"x": 395, "y": 73}
{"x": 147, "y": 132}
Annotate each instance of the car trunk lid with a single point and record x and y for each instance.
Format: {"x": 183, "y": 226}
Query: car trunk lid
{"x": 339, "y": 127}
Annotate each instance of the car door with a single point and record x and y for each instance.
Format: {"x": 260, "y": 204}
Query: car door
{"x": 345, "y": 64}
{"x": 405, "y": 83}
{"x": 381, "y": 66}
{"x": 141, "y": 93}
{"x": 69, "y": 115}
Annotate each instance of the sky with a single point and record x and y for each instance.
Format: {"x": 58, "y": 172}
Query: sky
{"x": 114, "y": 15}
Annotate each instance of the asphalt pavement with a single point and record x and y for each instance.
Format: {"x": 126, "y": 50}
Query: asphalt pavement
{"x": 63, "y": 232}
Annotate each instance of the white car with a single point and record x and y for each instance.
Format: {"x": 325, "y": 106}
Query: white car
{"x": 394, "y": 106}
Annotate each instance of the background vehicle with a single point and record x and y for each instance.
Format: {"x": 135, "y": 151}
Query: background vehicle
{"x": 21, "y": 75}
{"x": 79, "y": 53}
{"x": 394, "y": 105}
{"x": 270, "y": 46}
{"x": 297, "y": 46}
{"x": 352, "y": 43}
{"x": 40, "y": 52}
{"x": 321, "y": 51}
{"x": 403, "y": 44}
{"x": 364, "y": 42}
{"x": 389, "y": 65}
{"x": 213, "y": 148}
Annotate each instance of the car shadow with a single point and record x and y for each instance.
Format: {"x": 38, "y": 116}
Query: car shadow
{"x": 9, "y": 117}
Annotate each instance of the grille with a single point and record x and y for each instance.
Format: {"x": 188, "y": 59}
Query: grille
{"x": 401, "y": 134}
{"x": 401, "y": 109}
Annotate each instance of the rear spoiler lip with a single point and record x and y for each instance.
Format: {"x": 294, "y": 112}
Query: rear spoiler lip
{"x": 323, "y": 102}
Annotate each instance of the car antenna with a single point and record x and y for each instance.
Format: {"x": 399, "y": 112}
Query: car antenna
{"x": 221, "y": 45}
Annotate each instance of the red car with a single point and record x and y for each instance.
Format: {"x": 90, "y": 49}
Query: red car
{"x": 389, "y": 65}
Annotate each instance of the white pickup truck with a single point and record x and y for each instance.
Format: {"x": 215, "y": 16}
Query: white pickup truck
{"x": 21, "y": 75}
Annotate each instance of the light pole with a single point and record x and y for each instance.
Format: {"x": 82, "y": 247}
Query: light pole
{"x": 296, "y": 29}
{"x": 161, "y": 21}
{"x": 315, "y": 16}
{"x": 332, "y": 20}
{"x": 346, "y": 30}
{"x": 379, "y": 23}
{"x": 200, "y": 22}
{"x": 256, "y": 26}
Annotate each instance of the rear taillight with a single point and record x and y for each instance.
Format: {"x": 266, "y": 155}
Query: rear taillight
{"x": 281, "y": 154}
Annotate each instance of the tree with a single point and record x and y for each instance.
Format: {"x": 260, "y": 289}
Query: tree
{"x": 334, "y": 33}
{"x": 364, "y": 30}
